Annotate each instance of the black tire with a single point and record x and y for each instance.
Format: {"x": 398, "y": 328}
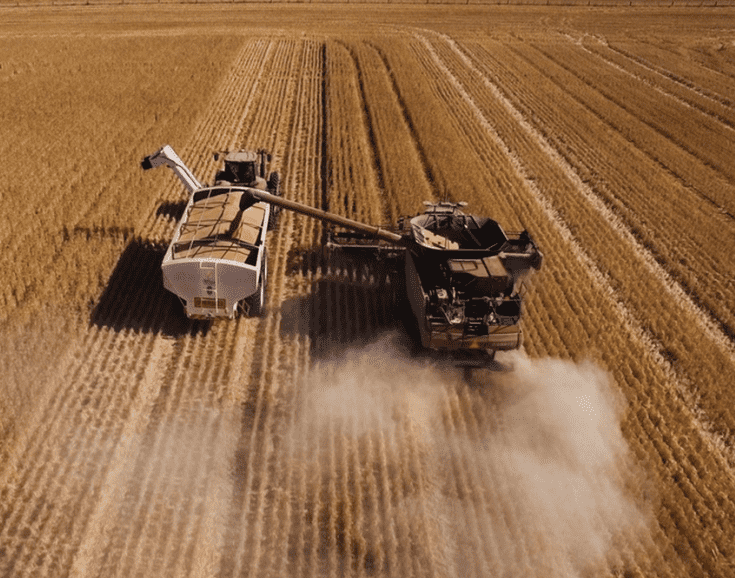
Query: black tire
{"x": 257, "y": 300}
{"x": 273, "y": 217}
{"x": 274, "y": 188}
{"x": 274, "y": 184}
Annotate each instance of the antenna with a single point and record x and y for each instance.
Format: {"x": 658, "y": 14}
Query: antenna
{"x": 446, "y": 195}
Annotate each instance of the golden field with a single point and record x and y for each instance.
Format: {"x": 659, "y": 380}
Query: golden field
{"x": 309, "y": 442}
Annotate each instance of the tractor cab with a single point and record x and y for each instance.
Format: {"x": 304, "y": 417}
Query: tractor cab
{"x": 243, "y": 168}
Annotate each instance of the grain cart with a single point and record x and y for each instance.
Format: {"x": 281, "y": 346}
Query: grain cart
{"x": 216, "y": 262}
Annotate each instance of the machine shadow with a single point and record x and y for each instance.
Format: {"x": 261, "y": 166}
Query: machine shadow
{"x": 172, "y": 210}
{"x": 351, "y": 302}
{"x": 134, "y": 297}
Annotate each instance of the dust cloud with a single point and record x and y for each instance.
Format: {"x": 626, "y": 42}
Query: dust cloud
{"x": 521, "y": 473}
{"x": 162, "y": 479}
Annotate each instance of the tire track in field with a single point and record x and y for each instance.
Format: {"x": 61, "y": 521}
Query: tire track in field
{"x": 631, "y": 323}
{"x": 281, "y": 502}
{"x": 368, "y": 123}
{"x": 280, "y": 369}
{"x": 366, "y": 511}
{"x": 354, "y": 183}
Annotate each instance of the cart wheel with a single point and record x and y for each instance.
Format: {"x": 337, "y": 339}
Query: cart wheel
{"x": 257, "y": 301}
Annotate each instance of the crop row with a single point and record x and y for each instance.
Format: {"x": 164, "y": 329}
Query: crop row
{"x": 705, "y": 68}
{"x": 543, "y": 176}
{"x": 103, "y": 422}
{"x": 402, "y": 170}
{"x": 654, "y": 220}
{"x": 596, "y": 325}
{"x": 284, "y": 445}
{"x": 659, "y": 206}
{"x": 63, "y": 92}
{"x": 474, "y": 145}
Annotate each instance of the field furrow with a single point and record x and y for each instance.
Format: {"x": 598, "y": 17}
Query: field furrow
{"x": 615, "y": 178}
{"x": 718, "y": 340}
{"x": 125, "y": 359}
{"x": 713, "y": 75}
{"x": 659, "y": 125}
{"x": 64, "y": 104}
{"x": 666, "y": 82}
{"x": 203, "y": 388}
{"x": 354, "y": 185}
{"x": 539, "y": 138}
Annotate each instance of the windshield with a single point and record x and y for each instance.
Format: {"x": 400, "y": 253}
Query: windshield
{"x": 240, "y": 172}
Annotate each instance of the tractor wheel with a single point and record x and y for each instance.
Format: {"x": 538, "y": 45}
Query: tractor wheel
{"x": 274, "y": 184}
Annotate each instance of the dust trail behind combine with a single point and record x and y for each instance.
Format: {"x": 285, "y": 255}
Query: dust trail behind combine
{"x": 524, "y": 474}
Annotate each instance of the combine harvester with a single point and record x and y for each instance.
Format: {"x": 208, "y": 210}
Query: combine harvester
{"x": 464, "y": 276}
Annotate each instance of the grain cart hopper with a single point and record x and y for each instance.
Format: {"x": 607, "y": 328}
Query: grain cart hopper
{"x": 464, "y": 275}
{"x": 216, "y": 262}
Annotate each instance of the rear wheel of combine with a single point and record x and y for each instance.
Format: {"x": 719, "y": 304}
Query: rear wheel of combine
{"x": 467, "y": 374}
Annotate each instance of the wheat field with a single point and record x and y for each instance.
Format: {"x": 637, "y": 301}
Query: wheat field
{"x": 310, "y": 441}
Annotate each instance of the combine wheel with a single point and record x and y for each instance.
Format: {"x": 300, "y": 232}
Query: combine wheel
{"x": 274, "y": 183}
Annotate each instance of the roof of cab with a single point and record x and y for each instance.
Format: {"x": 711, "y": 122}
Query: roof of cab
{"x": 241, "y": 156}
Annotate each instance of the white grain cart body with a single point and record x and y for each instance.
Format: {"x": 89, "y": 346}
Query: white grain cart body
{"x": 216, "y": 262}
